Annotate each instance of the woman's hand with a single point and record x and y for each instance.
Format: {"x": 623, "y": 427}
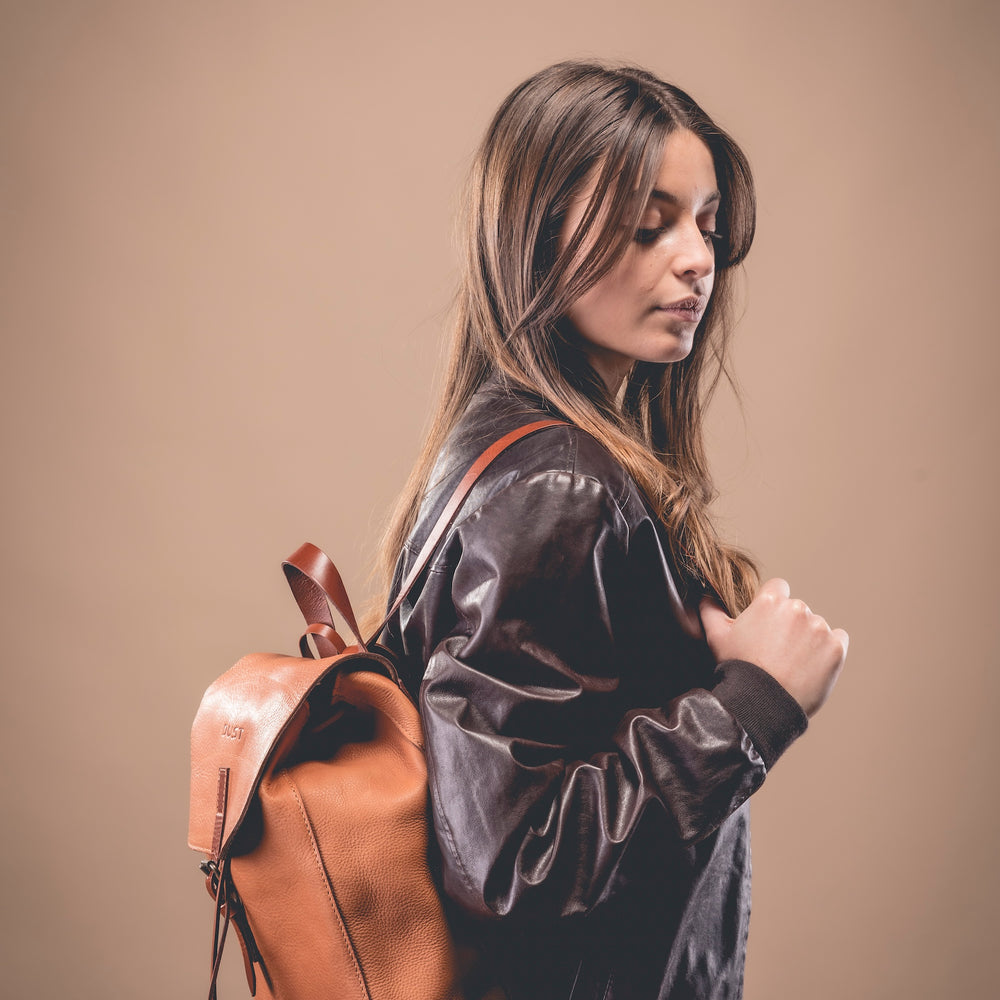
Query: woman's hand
{"x": 781, "y": 635}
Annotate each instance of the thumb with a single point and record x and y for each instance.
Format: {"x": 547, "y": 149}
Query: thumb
{"x": 714, "y": 620}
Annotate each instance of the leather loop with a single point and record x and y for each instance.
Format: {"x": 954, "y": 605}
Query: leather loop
{"x": 316, "y": 584}
{"x": 326, "y": 639}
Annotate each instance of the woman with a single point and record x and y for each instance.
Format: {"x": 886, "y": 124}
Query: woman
{"x": 601, "y": 682}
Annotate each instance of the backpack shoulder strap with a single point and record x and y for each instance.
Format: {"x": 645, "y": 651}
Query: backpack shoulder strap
{"x": 314, "y": 579}
{"x": 463, "y": 489}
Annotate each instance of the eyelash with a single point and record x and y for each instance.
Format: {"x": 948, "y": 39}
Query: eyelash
{"x": 651, "y": 235}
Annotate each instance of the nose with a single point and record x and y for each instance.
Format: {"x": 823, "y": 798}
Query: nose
{"x": 694, "y": 257}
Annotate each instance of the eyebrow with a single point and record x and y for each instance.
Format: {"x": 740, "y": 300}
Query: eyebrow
{"x": 714, "y": 198}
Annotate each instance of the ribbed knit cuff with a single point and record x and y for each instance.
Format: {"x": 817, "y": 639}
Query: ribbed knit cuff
{"x": 771, "y": 717}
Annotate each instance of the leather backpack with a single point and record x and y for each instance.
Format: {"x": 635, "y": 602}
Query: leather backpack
{"x": 309, "y": 799}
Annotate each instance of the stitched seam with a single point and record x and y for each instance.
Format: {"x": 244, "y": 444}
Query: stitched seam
{"x": 508, "y": 453}
{"x": 442, "y": 824}
{"x": 534, "y": 477}
{"x": 439, "y": 565}
{"x": 352, "y": 951}
{"x": 627, "y": 485}
{"x": 576, "y": 979}
{"x": 627, "y": 481}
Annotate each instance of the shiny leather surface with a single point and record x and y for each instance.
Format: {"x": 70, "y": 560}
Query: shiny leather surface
{"x": 588, "y": 788}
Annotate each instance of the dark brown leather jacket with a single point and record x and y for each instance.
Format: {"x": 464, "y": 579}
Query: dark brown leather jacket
{"x": 590, "y": 763}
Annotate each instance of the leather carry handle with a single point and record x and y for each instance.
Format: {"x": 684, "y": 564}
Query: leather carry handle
{"x": 316, "y": 583}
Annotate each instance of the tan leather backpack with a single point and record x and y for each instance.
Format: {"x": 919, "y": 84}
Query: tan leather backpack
{"x": 309, "y": 798}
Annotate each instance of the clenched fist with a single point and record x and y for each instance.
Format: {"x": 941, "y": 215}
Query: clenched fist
{"x": 782, "y": 636}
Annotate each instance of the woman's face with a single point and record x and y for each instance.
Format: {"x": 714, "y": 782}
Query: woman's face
{"x": 646, "y": 308}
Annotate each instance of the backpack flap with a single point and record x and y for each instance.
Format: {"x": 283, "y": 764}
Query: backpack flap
{"x": 253, "y": 707}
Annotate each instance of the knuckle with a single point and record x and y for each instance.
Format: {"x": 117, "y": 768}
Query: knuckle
{"x": 764, "y": 596}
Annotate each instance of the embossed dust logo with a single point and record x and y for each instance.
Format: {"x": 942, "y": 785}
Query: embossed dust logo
{"x": 232, "y": 731}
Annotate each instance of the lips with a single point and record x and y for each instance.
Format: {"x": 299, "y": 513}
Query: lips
{"x": 689, "y": 308}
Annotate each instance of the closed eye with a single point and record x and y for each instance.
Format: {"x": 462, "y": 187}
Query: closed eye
{"x": 710, "y": 236}
{"x": 649, "y": 235}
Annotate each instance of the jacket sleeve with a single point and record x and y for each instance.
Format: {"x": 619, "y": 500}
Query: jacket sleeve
{"x": 539, "y": 770}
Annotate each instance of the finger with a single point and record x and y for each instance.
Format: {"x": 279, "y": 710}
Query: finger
{"x": 775, "y": 587}
{"x": 842, "y": 637}
{"x": 713, "y": 616}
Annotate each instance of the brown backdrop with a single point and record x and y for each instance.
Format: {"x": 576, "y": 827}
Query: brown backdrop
{"x": 226, "y": 257}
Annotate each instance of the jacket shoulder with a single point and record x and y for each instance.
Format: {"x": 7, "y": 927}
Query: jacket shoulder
{"x": 494, "y": 412}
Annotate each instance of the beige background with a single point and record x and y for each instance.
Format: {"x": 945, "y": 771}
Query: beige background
{"x": 226, "y": 259}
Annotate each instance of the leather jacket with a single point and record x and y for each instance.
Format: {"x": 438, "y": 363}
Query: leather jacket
{"x": 589, "y": 762}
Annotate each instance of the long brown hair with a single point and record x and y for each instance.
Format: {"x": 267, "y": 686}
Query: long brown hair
{"x": 564, "y": 124}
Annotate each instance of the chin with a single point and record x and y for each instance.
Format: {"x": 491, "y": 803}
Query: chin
{"x": 677, "y": 351}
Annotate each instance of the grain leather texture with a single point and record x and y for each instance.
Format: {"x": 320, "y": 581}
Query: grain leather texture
{"x": 337, "y": 889}
{"x": 324, "y": 828}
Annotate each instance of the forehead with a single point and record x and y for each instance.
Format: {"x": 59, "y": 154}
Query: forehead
{"x": 686, "y": 175}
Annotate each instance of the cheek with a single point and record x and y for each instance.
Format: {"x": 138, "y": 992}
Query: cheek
{"x": 597, "y": 306}
{"x": 620, "y": 298}
{"x": 588, "y": 314}
{"x": 626, "y": 290}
